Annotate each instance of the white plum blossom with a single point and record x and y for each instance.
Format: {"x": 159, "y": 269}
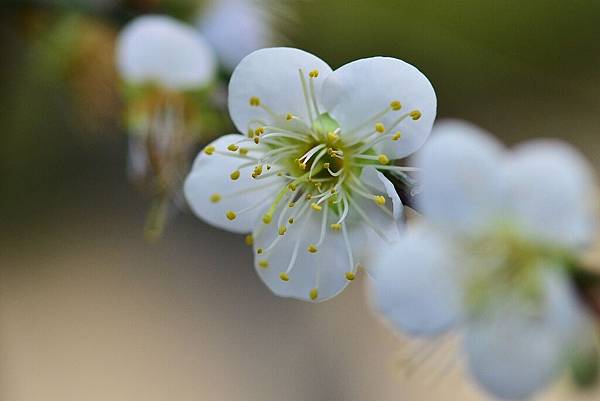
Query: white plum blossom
{"x": 166, "y": 67}
{"x": 236, "y": 28}
{"x": 502, "y": 230}
{"x": 306, "y": 179}
{"x": 160, "y": 50}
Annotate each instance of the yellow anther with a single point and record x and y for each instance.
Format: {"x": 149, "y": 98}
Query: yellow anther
{"x": 243, "y": 151}
{"x": 282, "y": 230}
{"x": 230, "y": 215}
{"x": 302, "y": 166}
{"x": 380, "y": 200}
{"x": 233, "y": 147}
{"x": 254, "y": 101}
{"x": 214, "y": 198}
{"x": 249, "y": 240}
{"x": 379, "y": 127}
{"x": 314, "y": 294}
{"x": 250, "y": 132}
{"x": 291, "y": 220}
{"x": 256, "y": 140}
{"x": 267, "y": 218}
{"x": 257, "y": 171}
{"x": 292, "y": 187}
{"x": 313, "y": 73}
{"x": 263, "y": 263}
{"x": 284, "y": 277}
{"x": 350, "y": 276}
{"x": 312, "y": 248}
{"x": 332, "y": 137}
{"x": 415, "y": 114}
{"x": 316, "y": 207}
{"x": 397, "y": 136}
{"x": 209, "y": 150}
{"x": 291, "y": 204}
{"x": 259, "y": 131}
{"x": 289, "y": 116}
{"x": 326, "y": 165}
{"x": 268, "y": 167}
{"x": 383, "y": 159}
{"x": 235, "y": 175}
{"x": 308, "y": 197}
{"x": 336, "y": 227}
{"x": 396, "y": 105}
{"x": 259, "y": 251}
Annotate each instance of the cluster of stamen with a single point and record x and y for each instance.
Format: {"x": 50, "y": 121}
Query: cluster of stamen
{"x": 321, "y": 166}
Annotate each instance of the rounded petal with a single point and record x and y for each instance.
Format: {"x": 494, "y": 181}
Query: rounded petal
{"x": 324, "y": 270}
{"x": 273, "y": 76}
{"x": 461, "y": 176}
{"x": 211, "y": 193}
{"x": 415, "y": 284}
{"x": 161, "y": 50}
{"x": 356, "y": 92}
{"x": 235, "y": 28}
{"x": 513, "y": 351}
{"x": 551, "y": 191}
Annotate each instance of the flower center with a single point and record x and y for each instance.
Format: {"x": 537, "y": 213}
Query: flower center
{"x": 505, "y": 265}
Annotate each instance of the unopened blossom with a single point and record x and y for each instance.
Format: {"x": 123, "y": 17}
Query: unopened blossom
{"x": 236, "y": 28}
{"x": 166, "y": 67}
{"x": 503, "y": 228}
{"x": 305, "y": 177}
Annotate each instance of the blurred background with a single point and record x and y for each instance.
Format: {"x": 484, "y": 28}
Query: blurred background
{"x": 91, "y": 312}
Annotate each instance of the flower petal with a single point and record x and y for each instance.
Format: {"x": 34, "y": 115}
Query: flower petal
{"x": 513, "y": 352}
{"x": 210, "y": 176}
{"x": 162, "y": 50}
{"x": 272, "y": 75}
{"x": 356, "y": 92}
{"x": 414, "y": 283}
{"x": 385, "y": 223}
{"x": 461, "y": 176}
{"x": 235, "y": 28}
{"x": 551, "y": 190}
{"x": 324, "y": 270}
{"x": 376, "y": 180}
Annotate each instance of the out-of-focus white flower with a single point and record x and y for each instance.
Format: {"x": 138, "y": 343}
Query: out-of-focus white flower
{"x": 162, "y": 51}
{"x": 306, "y": 180}
{"x": 236, "y": 28}
{"x": 503, "y": 228}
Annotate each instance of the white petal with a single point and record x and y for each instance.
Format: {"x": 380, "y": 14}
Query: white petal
{"x": 551, "y": 191}
{"x": 210, "y": 175}
{"x": 235, "y": 28}
{"x": 415, "y": 283}
{"x": 514, "y": 352}
{"x": 273, "y": 76}
{"x": 164, "y": 51}
{"x": 376, "y": 180}
{"x": 325, "y": 270}
{"x": 461, "y": 176}
{"x": 386, "y": 227}
{"x": 359, "y": 90}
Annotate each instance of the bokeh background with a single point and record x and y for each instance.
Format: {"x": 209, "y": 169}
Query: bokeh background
{"x": 91, "y": 312}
